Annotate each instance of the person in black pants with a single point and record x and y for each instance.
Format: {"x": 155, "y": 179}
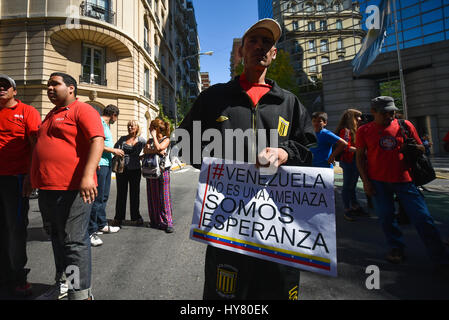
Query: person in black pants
{"x": 132, "y": 144}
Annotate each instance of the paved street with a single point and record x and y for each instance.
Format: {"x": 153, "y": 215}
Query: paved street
{"x": 144, "y": 263}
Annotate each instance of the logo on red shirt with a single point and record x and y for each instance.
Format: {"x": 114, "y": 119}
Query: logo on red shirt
{"x": 388, "y": 142}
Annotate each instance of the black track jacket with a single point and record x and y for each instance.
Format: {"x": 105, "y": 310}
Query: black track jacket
{"x": 227, "y": 106}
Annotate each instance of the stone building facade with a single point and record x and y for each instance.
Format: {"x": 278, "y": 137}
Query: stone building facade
{"x": 121, "y": 52}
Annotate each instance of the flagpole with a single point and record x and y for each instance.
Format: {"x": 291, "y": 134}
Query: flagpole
{"x": 401, "y": 73}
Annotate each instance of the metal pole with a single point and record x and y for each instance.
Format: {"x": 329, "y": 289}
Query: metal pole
{"x": 401, "y": 74}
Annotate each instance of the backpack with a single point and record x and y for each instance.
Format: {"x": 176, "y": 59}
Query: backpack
{"x": 421, "y": 168}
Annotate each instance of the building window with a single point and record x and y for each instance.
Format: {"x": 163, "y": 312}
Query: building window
{"x": 93, "y": 65}
{"x": 146, "y": 43}
{"x": 340, "y": 44}
{"x": 311, "y": 26}
{"x": 312, "y": 65}
{"x": 323, "y": 25}
{"x": 99, "y": 9}
{"x": 295, "y": 25}
{"x": 297, "y": 47}
{"x": 324, "y": 46}
{"x": 309, "y": 7}
{"x": 339, "y": 24}
{"x": 341, "y": 58}
{"x": 146, "y": 83}
{"x": 312, "y": 46}
{"x": 324, "y": 60}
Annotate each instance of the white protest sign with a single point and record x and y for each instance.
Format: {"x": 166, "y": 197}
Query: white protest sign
{"x": 287, "y": 217}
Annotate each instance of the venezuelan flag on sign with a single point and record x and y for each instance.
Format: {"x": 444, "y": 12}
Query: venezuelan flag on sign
{"x": 373, "y": 41}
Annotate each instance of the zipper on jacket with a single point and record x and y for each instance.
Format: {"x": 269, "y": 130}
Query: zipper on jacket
{"x": 254, "y": 110}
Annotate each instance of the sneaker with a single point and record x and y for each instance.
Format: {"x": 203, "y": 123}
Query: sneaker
{"x": 349, "y": 215}
{"x": 109, "y": 229}
{"x": 57, "y": 291}
{"x": 24, "y": 290}
{"x": 95, "y": 240}
{"x": 396, "y": 256}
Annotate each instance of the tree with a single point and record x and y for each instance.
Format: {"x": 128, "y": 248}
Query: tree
{"x": 163, "y": 117}
{"x": 282, "y": 71}
{"x": 183, "y": 106}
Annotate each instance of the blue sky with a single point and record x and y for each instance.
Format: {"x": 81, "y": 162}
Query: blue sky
{"x": 219, "y": 21}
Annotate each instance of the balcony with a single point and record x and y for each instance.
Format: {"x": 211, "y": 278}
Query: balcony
{"x": 97, "y": 12}
{"x": 93, "y": 79}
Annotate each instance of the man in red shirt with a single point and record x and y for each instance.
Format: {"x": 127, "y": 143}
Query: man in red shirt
{"x": 446, "y": 142}
{"x": 384, "y": 172}
{"x": 69, "y": 145}
{"x": 18, "y": 128}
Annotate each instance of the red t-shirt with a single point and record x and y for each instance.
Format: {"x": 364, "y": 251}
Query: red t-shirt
{"x": 63, "y": 144}
{"x": 385, "y": 162}
{"x": 17, "y": 124}
{"x": 346, "y": 156}
{"x": 446, "y": 137}
{"x": 254, "y": 90}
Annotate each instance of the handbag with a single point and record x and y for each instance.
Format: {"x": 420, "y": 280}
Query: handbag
{"x": 118, "y": 164}
{"x": 421, "y": 168}
{"x": 151, "y": 166}
{"x": 165, "y": 161}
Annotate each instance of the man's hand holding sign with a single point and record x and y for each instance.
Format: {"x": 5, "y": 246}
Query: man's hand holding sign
{"x": 287, "y": 217}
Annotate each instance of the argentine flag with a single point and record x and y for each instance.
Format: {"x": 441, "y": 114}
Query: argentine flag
{"x": 374, "y": 39}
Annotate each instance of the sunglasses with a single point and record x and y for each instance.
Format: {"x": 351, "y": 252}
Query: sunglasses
{"x": 5, "y": 85}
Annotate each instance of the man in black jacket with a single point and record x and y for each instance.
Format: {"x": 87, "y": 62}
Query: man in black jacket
{"x": 257, "y": 107}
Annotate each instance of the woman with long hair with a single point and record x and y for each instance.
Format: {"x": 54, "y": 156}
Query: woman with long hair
{"x": 158, "y": 190}
{"x": 346, "y": 129}
{"x": 132, "y": 144}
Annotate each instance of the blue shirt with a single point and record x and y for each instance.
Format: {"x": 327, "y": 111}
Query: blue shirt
{"x": 106, "y": 157}
{"x": 321, "y": 153}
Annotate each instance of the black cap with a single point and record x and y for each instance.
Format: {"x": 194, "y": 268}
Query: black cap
{"x": 383, "y": 104}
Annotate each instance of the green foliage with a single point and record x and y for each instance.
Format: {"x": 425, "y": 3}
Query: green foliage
{"x": 393, "y": 89}
{"x": 183, "y": 106}
{"x": 163, "y": 117}
{"x": 239, "y": 68}
{"x": 280, "y": 70}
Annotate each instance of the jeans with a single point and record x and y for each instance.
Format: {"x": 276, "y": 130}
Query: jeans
{"x": 416, "y": 209}
{"x": 98, "y": 213}
{"x": 69, "y": 216}
{"x": 350, "y": 178}
{"x": 13, "y": 230}
{"x": 131, "y": 177}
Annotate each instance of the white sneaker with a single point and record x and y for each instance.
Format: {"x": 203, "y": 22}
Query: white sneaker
{"x": 95, "y": 240}
{"x": 56, "y": 292}
{"x": 109, "y": 229}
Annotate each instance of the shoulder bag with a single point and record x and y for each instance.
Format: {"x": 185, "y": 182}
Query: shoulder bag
{"x": 422, "y": 171}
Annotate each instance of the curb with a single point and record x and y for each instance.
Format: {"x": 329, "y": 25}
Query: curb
{"x": 177, "y": 167}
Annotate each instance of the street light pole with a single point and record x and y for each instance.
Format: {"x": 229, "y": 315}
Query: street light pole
{"x": 207, "y": 53}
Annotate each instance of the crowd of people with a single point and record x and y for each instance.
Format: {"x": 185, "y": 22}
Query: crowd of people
{"x": 69, "y": 157}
